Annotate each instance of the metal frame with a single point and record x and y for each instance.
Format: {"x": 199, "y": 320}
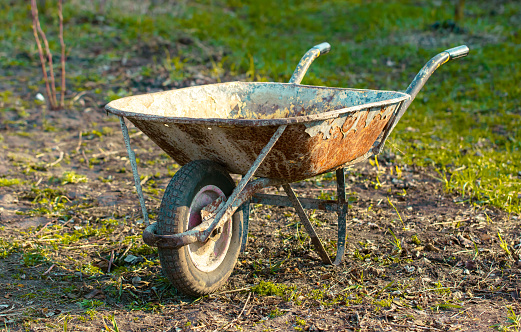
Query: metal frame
{"x": 243, "y": 195}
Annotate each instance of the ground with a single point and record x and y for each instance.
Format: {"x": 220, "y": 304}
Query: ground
{"x": 433, "y": 224}
{"x": 429, "y": 260}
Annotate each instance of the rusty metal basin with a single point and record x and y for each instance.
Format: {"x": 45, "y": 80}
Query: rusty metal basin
{"x": 230, "y": 123}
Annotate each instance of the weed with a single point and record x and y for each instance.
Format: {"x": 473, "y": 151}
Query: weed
{"x": 91, "y": 304}
{"x": 7, "y": 247}
{"x": 300, "y": 321}
{"x": 504, "y": 246}
{"x": 440, "y": 289}
{"x": 49, "y": 79}
{"x": 513, "y": 321}
{"x": 398, "y": 213}
{"x": 32, "y": 259}
{"x": 113, "y": 322}
{"x": 9, "y": 182}
{"x": 72, "y": 177}
{"x": 384, "y": 303}
{"x": 397, "y": 244}
{"x": 265, "y": 288}
{"x": 276, "y": 313}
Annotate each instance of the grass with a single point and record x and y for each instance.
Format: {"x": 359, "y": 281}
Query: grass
{"x": 9, "y": 182}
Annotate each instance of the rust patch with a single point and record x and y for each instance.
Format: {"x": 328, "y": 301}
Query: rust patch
{"x": 295, "y": 156}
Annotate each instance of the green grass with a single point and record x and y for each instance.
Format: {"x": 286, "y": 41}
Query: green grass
{"x": 9, "y": 182}
{"x": 468, "y": 115}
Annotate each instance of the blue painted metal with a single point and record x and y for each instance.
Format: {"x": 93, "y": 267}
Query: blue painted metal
{"x": 133, "y": 164}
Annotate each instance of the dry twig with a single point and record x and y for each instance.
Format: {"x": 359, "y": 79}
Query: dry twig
{"x": 238, "y": 316}
{"x": 50, "y": 85}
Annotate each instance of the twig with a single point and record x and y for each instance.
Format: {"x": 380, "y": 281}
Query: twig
{"x": 80, "y": 247}
{"x": 78, "y": 97}
{"x": 85, "y": 157}
{"x": 58, "y": 160}
{"x": 126, "y": 250}
{"x": 52, "y": 97}
{"x": 232, "y": 291}
{"x": 41, "y": 229}
{"x": 110, "y": 261}
{"x": 79, "y": 141}
{"x": 36, "y": 21}
{"x": 240, "y": 314}
{"x": 106, "y": 154}
{"x": 413, "y": 326}
{"x": 62, "y": 60}
{"x": 145, "y": 180}
{"x": 48, "y": 270}
{"x": 38, "y": 182}
{"x": 450, "y": 222}
{"x": 460, "y": 312}
{"x": 17, "y": 311}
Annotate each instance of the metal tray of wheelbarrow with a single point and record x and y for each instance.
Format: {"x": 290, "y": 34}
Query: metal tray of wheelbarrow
{"x": 230, "y": 123}
{"x": 277, "y": 132}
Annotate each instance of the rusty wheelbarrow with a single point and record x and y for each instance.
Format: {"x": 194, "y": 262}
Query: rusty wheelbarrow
{"x": 272, "y": 134}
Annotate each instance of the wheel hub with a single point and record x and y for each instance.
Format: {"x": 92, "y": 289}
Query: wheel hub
{"x": 209, "y": 255}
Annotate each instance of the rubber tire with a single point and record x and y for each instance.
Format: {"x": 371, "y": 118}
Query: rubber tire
{"x": 173, "y": 218}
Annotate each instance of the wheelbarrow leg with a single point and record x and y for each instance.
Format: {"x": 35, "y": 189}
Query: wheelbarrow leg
{"x": 133, "y": 163}
{"x": 307, "y": 224}
{"x": 342, "y": 215}
{"x": 245, "y": 224}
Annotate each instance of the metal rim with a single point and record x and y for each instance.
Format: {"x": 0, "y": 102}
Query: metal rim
{"x": 260, "y": 122}
{"x": 209, "y": 255}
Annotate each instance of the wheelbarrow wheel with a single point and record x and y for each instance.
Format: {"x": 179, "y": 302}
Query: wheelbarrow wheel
{"x": 199, "y": 268}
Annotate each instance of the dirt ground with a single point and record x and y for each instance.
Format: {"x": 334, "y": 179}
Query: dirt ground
{"x": 443, "y": 270}
{"x": 72, "y": 258}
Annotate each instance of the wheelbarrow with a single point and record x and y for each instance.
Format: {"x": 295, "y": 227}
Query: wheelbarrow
{"x": 272, "y": 134}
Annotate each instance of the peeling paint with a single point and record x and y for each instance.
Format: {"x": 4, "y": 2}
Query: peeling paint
{"x": 230, "y": 123}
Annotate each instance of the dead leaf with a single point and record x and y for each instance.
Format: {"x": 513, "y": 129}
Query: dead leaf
{"x": 485, "y": 237}
{"x": 465, "y": 242}
{"x": 325, "y": 276}
{"x": 471, "y": 265}
{"x": 96, "y": 293}
{"x": 430, "y": 247}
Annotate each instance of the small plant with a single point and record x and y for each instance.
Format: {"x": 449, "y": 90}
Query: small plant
{"x": 504, "y": 246}
{"x": 50, "y": 85}
{"x": 397, "y": 244}
{"x": 378, "y": 184}
{"x": 476, "y": 250}
{"x": 9, "y": 182}
{"x": 440, "y": 289}
{"x": 114, "y": 327}
{"x": 91, "y": 304}
{"x": 513, "y": 321}
{"x": 398, "y": 213}
{"x": 7, "y": 247}
{"x": 276, "y": 313}
{"x": 72, "y": 177}
{"x": 32, "y": 259}
{"x": 268, "y": 288}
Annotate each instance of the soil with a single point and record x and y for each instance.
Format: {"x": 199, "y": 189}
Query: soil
{"x": 444, "y": 269}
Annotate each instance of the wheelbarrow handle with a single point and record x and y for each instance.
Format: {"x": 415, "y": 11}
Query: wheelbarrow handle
{"x": 421, "y": 78}
{"x": 306, "y": 61}
{"x": 458, "y": 52}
